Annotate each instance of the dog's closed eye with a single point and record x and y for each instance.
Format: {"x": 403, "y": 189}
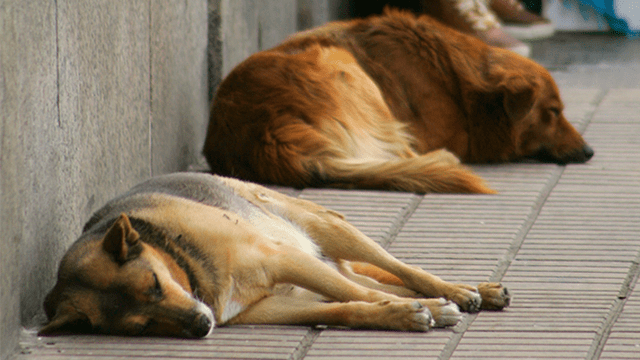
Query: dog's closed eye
{"x": 156, "y": 290}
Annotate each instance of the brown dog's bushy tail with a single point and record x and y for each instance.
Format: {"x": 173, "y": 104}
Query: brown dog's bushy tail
{"x": 435, "y": 172}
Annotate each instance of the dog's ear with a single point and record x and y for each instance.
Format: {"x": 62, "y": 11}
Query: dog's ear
{"x": 122, "y": 240}
{"x": 66, "y": 320}
{"x": 519, "y": 95}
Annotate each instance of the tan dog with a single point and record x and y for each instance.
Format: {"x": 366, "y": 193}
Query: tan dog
{"x": 368, "y": 103}
{"x": 181, "y": 253}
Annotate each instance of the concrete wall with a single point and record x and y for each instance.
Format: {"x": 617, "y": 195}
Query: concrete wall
{"x": 238, "y": 28}
{"x": 98, "y": 95}
{"x": 312, "y": 13}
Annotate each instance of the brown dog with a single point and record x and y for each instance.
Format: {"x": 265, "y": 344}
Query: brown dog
{"x": 180, "y": 253}
{"x": 367, "y": 104}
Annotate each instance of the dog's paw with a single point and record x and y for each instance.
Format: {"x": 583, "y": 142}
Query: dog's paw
{"x": 467, "y": 298}
{"x": 444, "y": 312}
{"x": 494, "y": 296}
{"x": 423, "y": 317}
{"x": 406, "y": 316}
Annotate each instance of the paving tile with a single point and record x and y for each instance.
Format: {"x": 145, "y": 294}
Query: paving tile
{"x": 241, "y": 342}
{"x": 624, "y": 340}
{"x": 345, "y": 344}
{"x": 462, "y": 238}
{"x": 523, "y": 345}
{"x": 617, "y": 96}
{"x": 572, "y": 96}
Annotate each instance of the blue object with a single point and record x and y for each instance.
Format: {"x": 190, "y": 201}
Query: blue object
{"x": 606, "y": 9}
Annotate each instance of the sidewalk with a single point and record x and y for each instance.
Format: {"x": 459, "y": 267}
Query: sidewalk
{"x": 565, "y": 240}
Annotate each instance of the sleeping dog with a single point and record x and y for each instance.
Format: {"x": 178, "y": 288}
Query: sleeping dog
{"x": 180, "y": 254}
{"x": 388, "y": 102}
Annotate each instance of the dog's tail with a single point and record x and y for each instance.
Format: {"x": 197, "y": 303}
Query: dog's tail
{"x": 299, "y": 157}
{"x": 437, "y": 171}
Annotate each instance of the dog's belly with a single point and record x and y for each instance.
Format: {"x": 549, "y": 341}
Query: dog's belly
{"x": 276, "y": 229}
{"x": 280, "y": 230}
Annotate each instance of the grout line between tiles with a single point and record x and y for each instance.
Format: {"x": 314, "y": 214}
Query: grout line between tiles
{"x": 305, "y": 344}
{"x": 512, "y": 251}
{"x": 401, "y": 220}
{"x": 602, "y": 334}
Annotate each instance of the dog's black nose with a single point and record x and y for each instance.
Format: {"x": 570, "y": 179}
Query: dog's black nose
{"x": 201, "y": 326}
{"x": 578, "y": 156}
{"x": 588, "y": 152}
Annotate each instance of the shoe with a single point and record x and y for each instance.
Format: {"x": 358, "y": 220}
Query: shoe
{"x": 475, "y": 18}
{"x": 499, "y": 38}
{"x": 520, "y": 23}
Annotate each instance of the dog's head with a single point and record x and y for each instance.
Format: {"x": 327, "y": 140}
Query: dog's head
{"x": 117, "y": 284}
{"x": 530, "y": 108}
{"x": 543, "y": 133}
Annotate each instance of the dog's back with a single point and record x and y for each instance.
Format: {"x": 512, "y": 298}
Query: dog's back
{"x": 205, "y": 189}
{"x": 307, "y": 114}
{"x": 368, "y": 103}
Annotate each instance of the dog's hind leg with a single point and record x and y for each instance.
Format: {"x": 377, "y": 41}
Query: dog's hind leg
{"x": 493, "y": 294}
{"x": 371, "y": 280}
{"x": 291, "y": 310}
{"x": 287, "y": 264}
{"x": 342, "y": 241}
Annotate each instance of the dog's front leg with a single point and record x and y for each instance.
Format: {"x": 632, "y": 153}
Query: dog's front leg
{"x": 292, "y": 310}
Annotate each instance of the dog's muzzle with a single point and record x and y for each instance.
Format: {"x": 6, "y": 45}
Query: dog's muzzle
{"x": 578, "y": 156}
{"x": 202, "y": 324}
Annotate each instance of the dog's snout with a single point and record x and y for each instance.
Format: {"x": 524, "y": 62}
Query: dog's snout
{"x": 588, "y": 152}
{"x": 579, "y": 156}
{"x": 201, "y": 326}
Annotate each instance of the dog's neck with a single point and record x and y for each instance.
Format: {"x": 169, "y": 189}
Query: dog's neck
{"x": 172, "y": 247}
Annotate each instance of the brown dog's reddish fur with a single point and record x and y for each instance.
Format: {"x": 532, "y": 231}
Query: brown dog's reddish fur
{"x": 367, "y": 103}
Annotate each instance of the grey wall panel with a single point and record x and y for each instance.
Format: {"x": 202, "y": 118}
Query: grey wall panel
{"x": 28, "y": 115}
{"x": 239, "y": 31}
{"x": 339, "y": 9}
{"x": 179, "y": 103}
{"x": 313, "y": 13}
{"x": 277, "y": 19}
{"x": 98, "y": 146}
{"x": 239, "y": 28}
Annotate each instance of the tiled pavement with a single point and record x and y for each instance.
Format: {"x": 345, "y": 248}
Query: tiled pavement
{"x": 564, "y": 239}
